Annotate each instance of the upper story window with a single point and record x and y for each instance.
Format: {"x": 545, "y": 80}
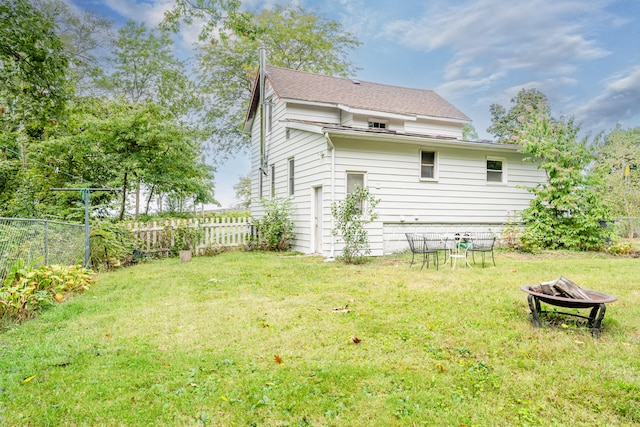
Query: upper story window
{"x": 496, "y": 170}
{"x": 428, "y": 165}
{"x": 377, "y": 124}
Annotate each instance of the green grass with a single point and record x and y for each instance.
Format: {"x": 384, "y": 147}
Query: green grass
{"x": 170, "y": 343}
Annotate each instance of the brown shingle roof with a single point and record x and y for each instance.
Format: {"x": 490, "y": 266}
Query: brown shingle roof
{"x": 303, "y": 86}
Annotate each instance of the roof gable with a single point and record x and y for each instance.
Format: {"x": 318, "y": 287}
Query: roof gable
{"x": 338, "y": 91}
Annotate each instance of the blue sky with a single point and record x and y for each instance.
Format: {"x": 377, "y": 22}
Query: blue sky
{"x": 583, "y": 54}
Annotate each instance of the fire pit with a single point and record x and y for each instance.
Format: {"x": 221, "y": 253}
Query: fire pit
{"x": 594, "y": 300}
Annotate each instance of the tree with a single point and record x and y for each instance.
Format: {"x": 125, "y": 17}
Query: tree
{"x": 118, "y": 144}
{"x": 33, "y": 66}
{"x": 507, "y": 125}
{"x": 619, "y": 161}
{"x": 566, "y": 211}
{"x": 469, "y": 133}
{"x": 87, "y": 37}
{"x": 229, "y": 61}
{"x": 243, "y": 191}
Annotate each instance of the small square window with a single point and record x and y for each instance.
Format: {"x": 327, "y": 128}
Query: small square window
{"x": 428, "y": 164}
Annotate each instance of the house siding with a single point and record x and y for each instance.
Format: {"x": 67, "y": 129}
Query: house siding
{"x": 460, "y": 198}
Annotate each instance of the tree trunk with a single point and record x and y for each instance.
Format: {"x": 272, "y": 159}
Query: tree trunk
{"x": 146, "y": 210}
{"x": 124, "y": 196}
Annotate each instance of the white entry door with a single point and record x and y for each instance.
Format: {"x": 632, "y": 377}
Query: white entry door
{"x": 317, "y": 220}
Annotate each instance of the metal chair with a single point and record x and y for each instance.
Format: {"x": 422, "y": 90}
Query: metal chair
{"x": 418, "y": 245}
{"x": 438, "y": 243}
{"x": 483, "y": 243}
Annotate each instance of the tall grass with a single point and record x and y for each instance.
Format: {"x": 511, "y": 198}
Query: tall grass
{"x": 246, "y": 339}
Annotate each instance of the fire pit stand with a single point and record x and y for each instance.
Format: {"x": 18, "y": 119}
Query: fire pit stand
{"x": 596, "y": 303}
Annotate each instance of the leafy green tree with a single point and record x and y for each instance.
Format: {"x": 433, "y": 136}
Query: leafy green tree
{"x": 87, "y": 39}
{"x": 566, "y": 211}
{"x": 293, "y": 38}
{"x": 118, "y": 144}
{"x": 243, "y": 191}
{"x": 619, "y": 161}
{"x": 33, "y": 66}
{"x": 351, "y": 217}
{"x": 145, "y": 69}
{"x": 469, "y": 133}
{"x": 527, "y": 105}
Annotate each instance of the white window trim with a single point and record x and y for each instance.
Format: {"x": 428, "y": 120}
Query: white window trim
{"x": 436, "y": 168}
{"x": 504, "y": 170}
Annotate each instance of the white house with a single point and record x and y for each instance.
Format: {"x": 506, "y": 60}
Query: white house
{"x": 314, "y": 138}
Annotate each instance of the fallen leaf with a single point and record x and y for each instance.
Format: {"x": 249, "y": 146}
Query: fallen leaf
{"x": 265, "y": 325}
{"x": 441, "y": 368}
{"x": 224, "y": 398}
{"x": 26, "y": 380}
{"x": 278, "y": 359}
{"x": 344, "y": 309}
{"x": 59, "y": 297}
{"x": 355, "y": 339}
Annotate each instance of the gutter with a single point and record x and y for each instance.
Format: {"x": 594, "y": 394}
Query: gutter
{"x": 333, "y": 194}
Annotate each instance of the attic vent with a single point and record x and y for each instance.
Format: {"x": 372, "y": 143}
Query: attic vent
{"x": 377, "y": 124}
{"x": 356, "y": 82}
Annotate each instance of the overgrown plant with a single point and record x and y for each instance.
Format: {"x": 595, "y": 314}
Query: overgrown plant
{"x": 566, "y": 212}
{"x": 351, "y": 216}
{"x": 112, "y": 245}
{"x": 275, "y": 228}
{"x": 27, "y": 289}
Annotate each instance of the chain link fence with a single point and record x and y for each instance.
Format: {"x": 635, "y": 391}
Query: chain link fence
{"x": 39, "y": 241}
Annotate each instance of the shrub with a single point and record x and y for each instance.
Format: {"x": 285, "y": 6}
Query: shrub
{"x": 275, "y": 228}
{"x": 26, "y": 289}
{"x": 620, "y": 248}
{"x": 351, "y": 216}
{"x": 112, "y": 245}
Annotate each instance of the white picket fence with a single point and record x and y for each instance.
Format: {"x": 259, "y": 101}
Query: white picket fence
{"x": 158, "y": 237}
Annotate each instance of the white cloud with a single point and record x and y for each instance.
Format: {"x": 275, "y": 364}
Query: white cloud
{"x": 549, "y": 37}
{"x": 151, "y": 13}
{"x": 617, "y": 102}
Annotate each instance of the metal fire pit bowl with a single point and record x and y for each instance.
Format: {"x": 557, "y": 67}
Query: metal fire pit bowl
{"x": 596, "y": 303}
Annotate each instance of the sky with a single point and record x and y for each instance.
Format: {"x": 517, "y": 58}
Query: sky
{"x": 584, "y": 55}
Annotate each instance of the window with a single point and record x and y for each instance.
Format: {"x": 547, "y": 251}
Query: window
{"x": 428, "y": 164}
{"x": 355, "y": 180}
{"x": 291, "y": 176}
{"x": 495, "y": 171}
{"x": 273, "y": 180}
{"x": 377, "y": 124}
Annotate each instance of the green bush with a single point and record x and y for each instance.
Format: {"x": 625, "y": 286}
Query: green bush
{"x": 275, "y": 228}
{"x": 112, "y": 245}
{"x": 26, "y": 289}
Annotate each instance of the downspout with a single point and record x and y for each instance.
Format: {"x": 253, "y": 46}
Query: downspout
{"x": 333, "y": 192}
{"x": 263, "y": 123}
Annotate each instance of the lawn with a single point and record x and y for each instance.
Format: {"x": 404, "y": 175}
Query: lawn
{"x": 263, "y": 339}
